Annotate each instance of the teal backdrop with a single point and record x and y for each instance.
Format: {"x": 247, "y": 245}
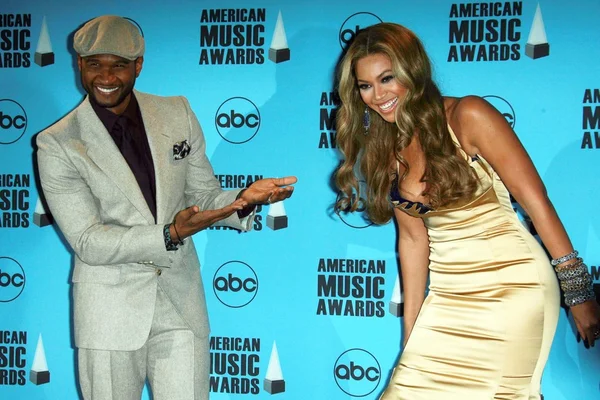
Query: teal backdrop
{"x": 310, "y": 310}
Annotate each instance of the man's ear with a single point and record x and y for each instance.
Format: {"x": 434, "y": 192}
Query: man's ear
{"x": 79, "y": 62}
{"x": 138, "y": 65}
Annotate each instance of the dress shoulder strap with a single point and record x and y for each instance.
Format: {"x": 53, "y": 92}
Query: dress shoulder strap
{"x": 487, "y": 168}
{"x": 456, "y": 142}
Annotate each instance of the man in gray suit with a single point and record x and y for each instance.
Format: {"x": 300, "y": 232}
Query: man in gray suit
{"x": 127, "y": 180}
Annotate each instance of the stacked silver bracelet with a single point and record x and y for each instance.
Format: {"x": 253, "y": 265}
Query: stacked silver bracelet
{"x": 563, "y": 259}
{"x": 575, "y": 280}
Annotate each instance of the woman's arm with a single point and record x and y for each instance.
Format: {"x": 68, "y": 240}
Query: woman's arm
{"x": 413, "y": 250}
{"x": 483, "y": 130}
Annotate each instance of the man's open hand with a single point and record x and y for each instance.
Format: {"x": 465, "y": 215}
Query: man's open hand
{"x": 269, "y": 190}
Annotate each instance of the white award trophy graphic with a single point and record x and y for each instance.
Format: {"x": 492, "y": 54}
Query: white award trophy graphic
{"x": 279, "y": 50}
{"x": 396, "y": 303}
{"x": 276, "y": 217}
{"x": 43, "y": 54}
{"x": 40, "y": 217}
{"x": 39, "y": 373}
{"x": 537, "y": 43}
{"x": 274, "y": 382}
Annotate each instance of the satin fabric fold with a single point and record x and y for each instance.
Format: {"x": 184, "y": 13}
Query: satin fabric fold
{"x": 487, "y": 324}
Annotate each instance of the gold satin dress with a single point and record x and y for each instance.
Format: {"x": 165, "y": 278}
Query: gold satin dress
{"x": 486, "y": 326}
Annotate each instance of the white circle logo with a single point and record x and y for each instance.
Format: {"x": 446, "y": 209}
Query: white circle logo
{"x": 355, "y": 23}
{"x": 504, "y": 108}
{"x": 235, "y": 284}
{"x": 12, "y": 279}
{"x": 237, "y": 120}
{"x": 13, "y": 121}
{"x": 357, "y": 372}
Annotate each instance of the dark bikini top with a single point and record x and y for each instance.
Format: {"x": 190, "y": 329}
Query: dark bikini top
{"x": 400, "y": 201}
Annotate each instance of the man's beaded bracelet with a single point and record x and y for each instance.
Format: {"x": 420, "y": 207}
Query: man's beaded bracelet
{"x": 170, "y": 245}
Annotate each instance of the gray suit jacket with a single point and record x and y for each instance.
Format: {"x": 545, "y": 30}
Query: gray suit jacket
{"x": 99, "y": 207}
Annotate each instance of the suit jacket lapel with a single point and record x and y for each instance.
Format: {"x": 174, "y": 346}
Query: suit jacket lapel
{"x": 102, "y": 150}
{"x": 160, "y": 146}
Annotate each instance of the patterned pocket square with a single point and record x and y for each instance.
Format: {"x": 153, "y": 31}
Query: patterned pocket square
{"x": 181, "y": 150}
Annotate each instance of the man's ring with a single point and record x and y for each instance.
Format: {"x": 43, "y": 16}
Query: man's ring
{"x": 597, "y": 333}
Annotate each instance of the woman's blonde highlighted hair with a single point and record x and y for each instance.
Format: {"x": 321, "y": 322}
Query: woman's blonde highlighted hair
{"x": 447, "y": 175}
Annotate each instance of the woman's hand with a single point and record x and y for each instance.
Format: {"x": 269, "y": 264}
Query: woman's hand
{"x": 587, "y": 320}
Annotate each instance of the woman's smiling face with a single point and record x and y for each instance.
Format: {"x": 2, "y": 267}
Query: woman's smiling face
{"x": 378, "y": 87}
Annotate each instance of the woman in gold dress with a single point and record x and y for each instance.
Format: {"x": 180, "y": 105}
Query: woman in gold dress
{"x": 443, "y": 167}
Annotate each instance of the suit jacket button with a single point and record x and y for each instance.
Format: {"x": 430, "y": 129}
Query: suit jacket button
{"x": 158, "y": 272}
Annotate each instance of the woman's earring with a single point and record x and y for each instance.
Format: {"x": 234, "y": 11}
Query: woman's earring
{"x": 366, "y": 121}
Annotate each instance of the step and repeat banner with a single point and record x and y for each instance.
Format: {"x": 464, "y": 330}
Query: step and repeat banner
{"x": 308, "y": 305}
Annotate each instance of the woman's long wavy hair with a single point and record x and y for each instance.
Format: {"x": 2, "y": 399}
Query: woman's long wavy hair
{"x": 447, "y": 175}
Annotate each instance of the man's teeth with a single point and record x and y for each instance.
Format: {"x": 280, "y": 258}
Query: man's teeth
{"x": 105, "y": 90}
{"x": 389, "y": 104}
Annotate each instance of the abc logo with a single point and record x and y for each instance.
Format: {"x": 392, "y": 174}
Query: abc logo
{"x": 356, "y": 219}
{"x": 13, "y": 121}
{"x": 235, "y": 284}
{"x": 12, "y": 279}
{"x": 353, "y": 24}
{"x": 237, "y": 120}
{"x": 504, "y": 107}
{"x": 357, "y": 372}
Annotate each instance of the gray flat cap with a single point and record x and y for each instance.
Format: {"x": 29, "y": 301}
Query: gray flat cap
{"x": 109, "y": 34}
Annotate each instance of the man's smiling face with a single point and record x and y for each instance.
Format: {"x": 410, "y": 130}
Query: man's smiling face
{"x": 109, "y": 79}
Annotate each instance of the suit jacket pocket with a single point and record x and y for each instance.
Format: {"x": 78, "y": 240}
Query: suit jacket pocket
{"x": 101, "y": 274}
